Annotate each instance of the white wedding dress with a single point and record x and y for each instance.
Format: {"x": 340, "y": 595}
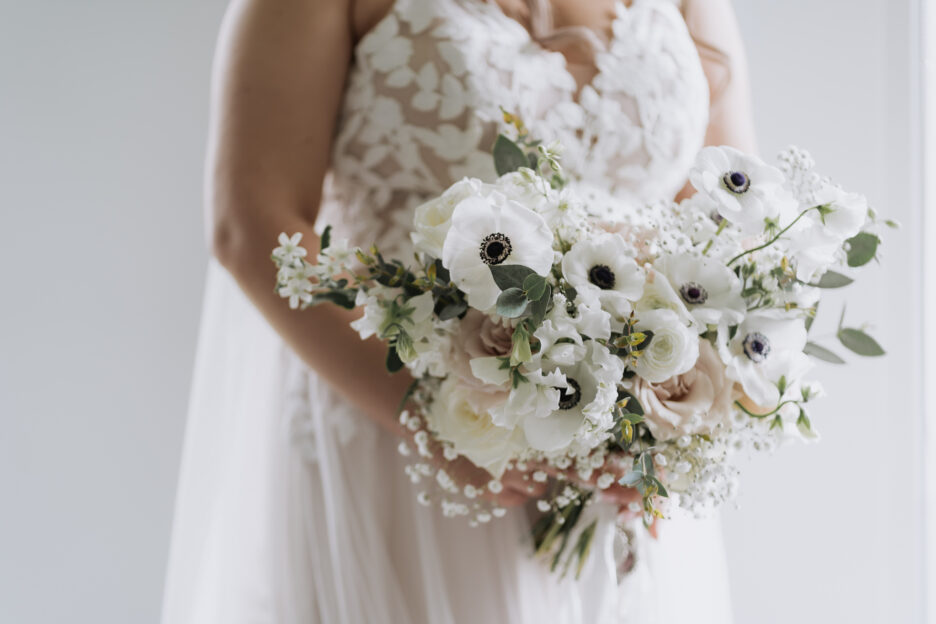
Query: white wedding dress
{"x": 293, "y": 507}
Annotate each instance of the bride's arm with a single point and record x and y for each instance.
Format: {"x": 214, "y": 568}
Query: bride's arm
{"x": 278, "y": 82}
{"x": 715, "y": 29}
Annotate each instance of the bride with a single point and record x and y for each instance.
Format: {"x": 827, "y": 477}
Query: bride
{"x": 292, "y": 505}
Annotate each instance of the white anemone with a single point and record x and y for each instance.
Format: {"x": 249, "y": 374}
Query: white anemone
{"x": 601, "y": 267}
{"x": 488, "y": 231}
{"x": 768, "y": 345}
{"x": 746, "y": 190}
{"x": 709, "y": 289}
{"x": 587, "y": 394}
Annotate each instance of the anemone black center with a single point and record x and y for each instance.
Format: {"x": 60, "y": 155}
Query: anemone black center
{"x": 737, "y": 181}
{"x": 601, "y": 276}
{"x": 569, "y": 396}
{"x": 693, "y": 293}
{"x": 756, "y": 347}
{"x": 495, "y": 248}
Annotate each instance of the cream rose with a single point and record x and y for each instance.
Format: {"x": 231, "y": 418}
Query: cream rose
{"x": 460, "y": 415}
{"x": 691, "y": 403}
{"x": 479, "y": 336}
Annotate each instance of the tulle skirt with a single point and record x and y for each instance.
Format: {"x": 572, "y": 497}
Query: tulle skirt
{"x": 294, "y": 508}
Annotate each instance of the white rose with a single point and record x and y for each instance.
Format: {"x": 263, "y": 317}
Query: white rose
{"x": 673, "y": 349}
{"x": 433, "y": 218}
{"x": 460, "y": 415}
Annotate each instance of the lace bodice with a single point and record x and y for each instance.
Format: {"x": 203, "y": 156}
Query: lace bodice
{"x": 423, "y": 106}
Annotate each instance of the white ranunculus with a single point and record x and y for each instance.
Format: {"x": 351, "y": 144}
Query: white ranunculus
{"x": 710, "y": 290}
{"x": 768, "y": 345}
{"x": 489, "y": 231}
{"x": 433, "y": 218}
{"x": 461, "y": 416}
{"x": 673, "y": 349}
{"x": 746, "y": 190}
{"x": 602, "y": 268}
{"x": 587, "y": 394}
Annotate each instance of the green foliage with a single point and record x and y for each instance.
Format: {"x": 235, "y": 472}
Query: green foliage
{"x": 859, "y": 342}
{"x": 822, "y": 353}
{"x": 862, "y": 248}
{"x": 508, "y": 156}
{"x": 831, "y": 279}
{"x": 512, "y": 303}
{"x": 510, "y": 275}
{"x": 326, "y": 238}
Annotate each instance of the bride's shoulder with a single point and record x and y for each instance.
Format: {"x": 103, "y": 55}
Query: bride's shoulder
{"x": 364, "y": 15}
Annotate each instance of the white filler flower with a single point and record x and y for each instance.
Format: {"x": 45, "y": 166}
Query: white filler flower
{"x": 601, "y": 268}
{"x": 673, "y": 348}
{"x": 488, "y": 231}
{"x": 710, "y": 290}
{"x": 746, "y": 190}
{"x": 767, "y": 346}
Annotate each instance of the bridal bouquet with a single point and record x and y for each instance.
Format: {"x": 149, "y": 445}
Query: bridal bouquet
{"x": 591, "y": 343}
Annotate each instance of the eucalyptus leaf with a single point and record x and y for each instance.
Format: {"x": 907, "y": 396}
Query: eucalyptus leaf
{"x": 536, "y": 288}
{"x": 342, "y": 298}
{"x": 452, "y": 310}
{"x": 861, "y": 248}
{"x": 508, "y": 156}
{"x": 820, "y": 352}
{"x": 859, "y": 342}
{"x": 512, "y": 303}
{"x": 510, "y": 275}
{"x": 326, "y": 238}
{"x": 831, "y": 279}
{"x": 539, "y": 307}
{"x": 631, "y": 478}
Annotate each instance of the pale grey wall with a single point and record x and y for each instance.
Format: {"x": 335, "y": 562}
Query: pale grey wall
{"x": 103, "y": 106}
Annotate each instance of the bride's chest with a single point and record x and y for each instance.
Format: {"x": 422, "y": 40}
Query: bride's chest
{"x": 430, "y": 82}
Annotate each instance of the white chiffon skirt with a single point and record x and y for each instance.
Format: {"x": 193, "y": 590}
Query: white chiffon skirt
{"x": 293, "y": 508}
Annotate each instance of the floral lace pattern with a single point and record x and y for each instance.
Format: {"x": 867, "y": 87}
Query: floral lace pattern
{"x": 423, "y": 99}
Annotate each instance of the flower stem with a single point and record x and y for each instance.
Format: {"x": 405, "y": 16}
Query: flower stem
{"x": 721, "y": 227}
{"x": 770, "y": 413}
{"x": 772, "y": 240}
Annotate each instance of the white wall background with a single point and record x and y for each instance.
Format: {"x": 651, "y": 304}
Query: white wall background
{"x": 103, "y": 107}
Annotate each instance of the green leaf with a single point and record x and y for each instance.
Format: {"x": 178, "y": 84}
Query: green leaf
{"x": 534, "y": 286}
{"x": 782, "y": 385}
{"x": 539, "y": 308}
{"x": 326, "y": 238}
{"x": 342, "y": 298}
{"x": 862, "y": 248}
{"x": 859, "y": 342}
{"x": 452, "y": 310}
{"x": 508, "y": 156}
{"x": 831, "y": 279}
{"x": 633, "y": 405}
{"x": 394, "y": 363}
{"x": 822, "y": 353}
{"x": 512, "y": 303}
{"x": 510, "y": 275}
{"x": 631, "y": 478}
